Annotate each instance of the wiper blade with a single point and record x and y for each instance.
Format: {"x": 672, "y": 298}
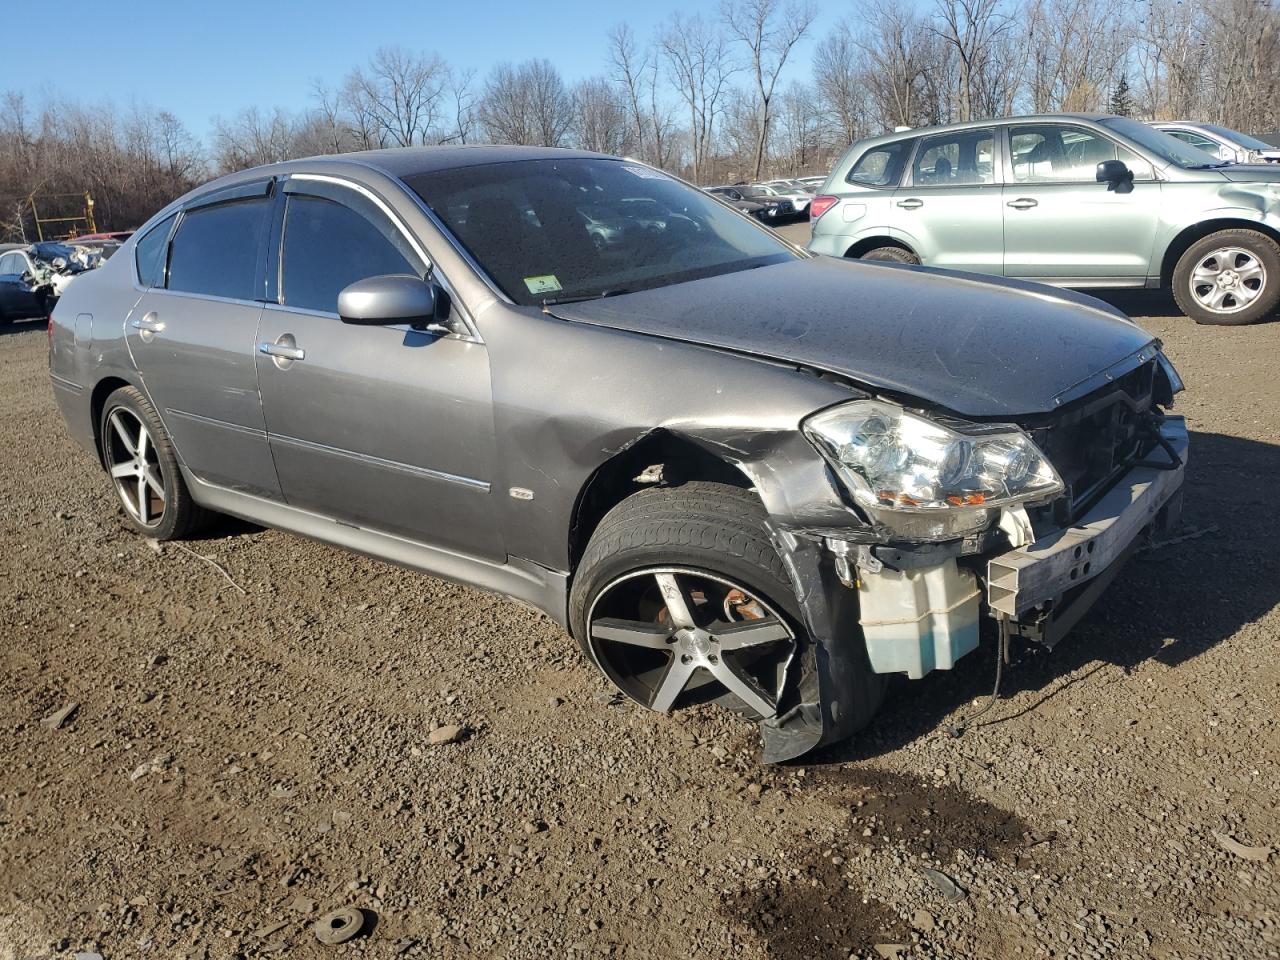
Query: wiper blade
{"x": 553, "y": 301}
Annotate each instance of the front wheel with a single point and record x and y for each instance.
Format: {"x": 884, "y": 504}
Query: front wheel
{"x": 1228, "y": 278}
{"x": 143, "y": 467}
{"x": 681, "y": 599}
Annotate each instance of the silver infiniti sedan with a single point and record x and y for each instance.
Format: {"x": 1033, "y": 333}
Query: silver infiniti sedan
{"x": 734, "y": 471}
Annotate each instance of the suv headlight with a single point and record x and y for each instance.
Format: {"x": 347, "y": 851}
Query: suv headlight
{"x": 924, "y": 479}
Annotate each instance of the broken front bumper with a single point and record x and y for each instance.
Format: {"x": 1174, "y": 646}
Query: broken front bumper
{"x": 1045, "y": 587}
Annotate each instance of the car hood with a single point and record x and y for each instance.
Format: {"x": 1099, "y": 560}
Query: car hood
{"x": 1251, "y": 172}
{"x": 978, "y": 347}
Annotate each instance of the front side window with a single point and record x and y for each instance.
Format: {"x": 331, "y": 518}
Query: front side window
{"x": 9, "y": 264}
{"x": 580, "y": 228}
{"x": 881, "y": 166}
{"x": 215, "y": 251}
{"x": 1054, "y": 153}
{"x": 964, "y": 158}
{"x": 327, "y": 246}
{"x": 149, "y": 255}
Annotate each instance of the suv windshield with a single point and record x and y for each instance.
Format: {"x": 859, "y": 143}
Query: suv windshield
{"x": 1167, "y": 148}
{"x": 549, "y": 231}
{"x": 1236, "y": 137}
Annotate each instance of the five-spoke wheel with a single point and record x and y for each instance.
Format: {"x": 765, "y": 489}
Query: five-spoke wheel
{"x": 668, "y": 636}
{"x": 134, "y": 465}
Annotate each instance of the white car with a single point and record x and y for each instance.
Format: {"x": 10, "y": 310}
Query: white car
{"x": 1221, "y": 142}
{"x": 798, "y": 199}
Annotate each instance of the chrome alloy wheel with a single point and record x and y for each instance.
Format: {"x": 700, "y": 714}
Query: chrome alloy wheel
{"x": 134, "y": 466}
{"x": 1228, "y": 280}
{"x": 671, "y": 636}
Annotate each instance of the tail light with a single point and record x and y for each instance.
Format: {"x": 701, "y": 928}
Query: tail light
{"x": 820, "y": 205}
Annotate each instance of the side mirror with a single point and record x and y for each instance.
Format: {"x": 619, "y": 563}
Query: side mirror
{"x": 1115, "y": 174}
{"x": 395, "y": 298}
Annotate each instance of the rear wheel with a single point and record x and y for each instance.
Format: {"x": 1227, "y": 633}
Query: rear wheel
{"x": 1228, "y": 278}
{"x": 143, "y": 468}
{"x": 681, "y": 599}
{"x": 892, "y": 255}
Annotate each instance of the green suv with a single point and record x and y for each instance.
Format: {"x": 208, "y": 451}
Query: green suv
{"x": 1074, "y": 200}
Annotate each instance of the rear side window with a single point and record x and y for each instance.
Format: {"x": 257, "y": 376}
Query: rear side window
{"x": 329, "y": 246}
{"x": 149, "y": 254}
{"x": 215, "y": 252}
{"x": 881, "y": 166}
{"x": 957, "y": 159}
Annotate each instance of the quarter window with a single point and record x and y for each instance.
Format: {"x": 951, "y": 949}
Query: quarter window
{"x": 215, "y": 252}
{"x": 881, "y": 166}
{"x": 328, "y": 246}
{"x": 957, "y": 159}
{"x": 149, "y": 254}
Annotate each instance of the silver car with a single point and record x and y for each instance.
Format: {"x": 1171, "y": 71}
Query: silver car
{"x": 734, "y": 471}
{"x": 1221, "y": 142}
{"x": 1087, "y": 201}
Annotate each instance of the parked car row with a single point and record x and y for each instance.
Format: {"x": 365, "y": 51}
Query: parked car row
{"x": 773, "y": 201}
{"x": 1072, "y": 200}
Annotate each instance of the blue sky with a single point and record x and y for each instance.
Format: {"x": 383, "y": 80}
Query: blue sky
{"x": 265, "y": 54}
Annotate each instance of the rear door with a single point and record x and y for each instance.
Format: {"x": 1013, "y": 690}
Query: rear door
{"x": 387, "y": 428}
{"x": 1061, "y": 224}
{"x": 948, "y": 209}
{"x": 193, "y": 333}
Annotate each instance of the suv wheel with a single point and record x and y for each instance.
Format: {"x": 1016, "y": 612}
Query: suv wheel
{"x": 891, "y": 254}
{"x": 1231, "y": 277}
{"x": 681, "y": 599}
{"x": 143, "y": 467}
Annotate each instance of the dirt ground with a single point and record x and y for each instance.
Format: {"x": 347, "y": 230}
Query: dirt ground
{"x": 252, "y": 751}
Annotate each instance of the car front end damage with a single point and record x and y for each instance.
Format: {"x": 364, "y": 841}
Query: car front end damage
{"x": 1022, "y": 524}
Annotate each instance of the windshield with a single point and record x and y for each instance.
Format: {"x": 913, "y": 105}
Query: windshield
{"x": 549, "y": 231}
{"x": 1167, "y": 148}
{"x": 1241, "y": 139}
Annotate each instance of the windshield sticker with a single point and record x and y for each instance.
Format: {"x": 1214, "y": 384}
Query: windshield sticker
{"x": 545, "y": 284}
{"x": 645, "y": 173}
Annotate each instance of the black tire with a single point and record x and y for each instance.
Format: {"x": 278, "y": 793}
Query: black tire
{"x": 712, "y": 527}
{"x": 892, "y": 255}
{"x": 180, "y": 515}
{"x": 1259, "y": 246}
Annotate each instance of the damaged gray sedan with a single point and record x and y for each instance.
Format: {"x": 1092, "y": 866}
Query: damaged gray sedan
{"x": 734, "y": 471}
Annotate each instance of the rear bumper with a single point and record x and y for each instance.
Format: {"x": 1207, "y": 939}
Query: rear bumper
{"x": 1044, "y": 588}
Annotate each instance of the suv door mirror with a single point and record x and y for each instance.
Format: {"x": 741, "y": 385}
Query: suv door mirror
{"x": 395, "y": 298}
{"x": 1115, "y": 175}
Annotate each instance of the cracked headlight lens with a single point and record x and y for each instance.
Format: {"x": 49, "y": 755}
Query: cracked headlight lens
{"x": 952, "y": 477}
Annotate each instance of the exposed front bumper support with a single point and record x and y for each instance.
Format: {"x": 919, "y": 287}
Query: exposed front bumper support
{"x": 1022, "y": 582}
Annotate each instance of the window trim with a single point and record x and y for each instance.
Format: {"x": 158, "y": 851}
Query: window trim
{"x": 1012, "y": 181}
{"x": 997, "y": 160}
{"x": 468, "y": 331}
{"x": 254, "y": 190}
{"x": 168, "y": 240}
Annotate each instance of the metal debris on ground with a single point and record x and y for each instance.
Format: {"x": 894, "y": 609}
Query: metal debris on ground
{"x": 339, "y": 926}
{"x": 1232, "y": 845}
{"x": 1193, "y": 534}
{"x": 950, "y": 891}
{"x": 213, "y": 563}
{"x": 55, "y": 720}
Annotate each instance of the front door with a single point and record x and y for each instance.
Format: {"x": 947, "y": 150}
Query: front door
{"x": 1061, "y": 224}
{"x": 948, "y": 211}
{"x": 192, "y": 336}
{"x": 385, "y": 428}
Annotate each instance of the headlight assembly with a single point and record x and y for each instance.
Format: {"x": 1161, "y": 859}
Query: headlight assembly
{"x": 925, "y": 479}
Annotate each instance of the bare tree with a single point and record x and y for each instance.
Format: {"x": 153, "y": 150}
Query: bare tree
{"x": 900, "y": 61}
{"x": 697, "y": 56}
{"x": 526, "y": 104}
{"x": 838, "y": 83}
{"x": 971, "y": 28}
{"x": 770, "y": 32}
{"x": 401, "y": 94}
{"x": 601, "y": 118}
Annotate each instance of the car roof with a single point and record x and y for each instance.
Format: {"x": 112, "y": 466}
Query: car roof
{"x": 978, "y": 124}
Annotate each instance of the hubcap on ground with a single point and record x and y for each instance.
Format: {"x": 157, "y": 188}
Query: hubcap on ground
{"x": 1228, "y": 280}
{"x": 671, "y": 636}
{"x": 135, "y": 467}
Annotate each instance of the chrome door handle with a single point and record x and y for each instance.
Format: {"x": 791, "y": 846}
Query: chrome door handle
{"x": 911, "y": 204}
{"x": 149, "y": 323}
{"x": 1023, "y": 203}
{"x": 282, "y": 351}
